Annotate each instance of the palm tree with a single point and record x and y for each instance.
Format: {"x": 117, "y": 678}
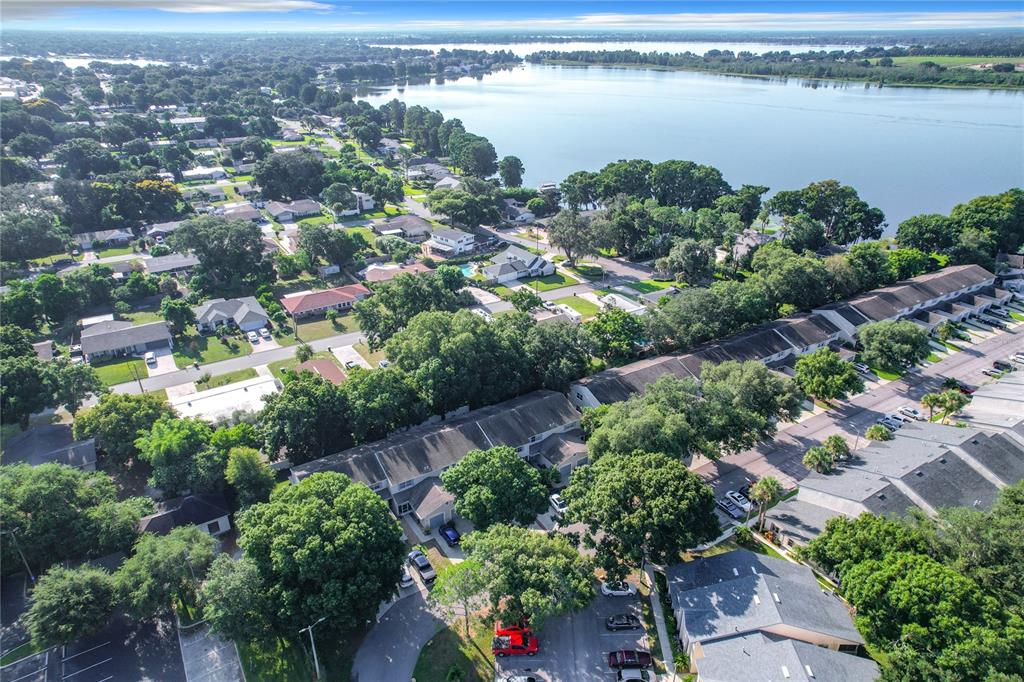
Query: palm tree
{"x": 931, "y": 401}
{"x": 837, "y": 447}
{"x": 819, "y": 459}
{"x": 951, "y": 403}
{"x": 764, "y": 493}
{"x": 877, "y": 432}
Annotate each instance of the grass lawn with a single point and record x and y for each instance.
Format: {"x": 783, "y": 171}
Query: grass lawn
{"x": 954, "y": 61}
{"x": 882, "y": 374}
{"x": 932, "y": 357}
{"x": 411, "y": 191}
{"x": 280, "y": 368}
{"x": 206, "y": 349}
{"x": 322, "y": 328}
{"x": 319, "y": 220}
{"x": 366, "y": 233}
{"x": 119, "y": 371}
{"x": 142, "y": 316}
{"x": 581, "y": 305}
{"x": 372, "y": 357}
{"x": 450, "y": 648}
{"x": 549, "y": 282}
{"x": 115, "y": 251}
{"x": 1017, "y": 316}
{"x": 225, "y": 379}
{"x": 590, "y": 271}
{"x": 290, "y": 660}
{"x": 646, "y": 286}
{"x": 47, "y": 260}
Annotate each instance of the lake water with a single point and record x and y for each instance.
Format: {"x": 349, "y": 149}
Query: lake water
{"x": 906, "y": 150}
{"x": 674, "y": 47}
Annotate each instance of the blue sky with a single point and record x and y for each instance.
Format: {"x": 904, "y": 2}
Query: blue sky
{"x": 552, "y": 15}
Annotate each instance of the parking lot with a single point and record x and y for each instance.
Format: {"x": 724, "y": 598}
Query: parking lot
{"x": 575, "y": 647}
{"x": 125, "y": 650}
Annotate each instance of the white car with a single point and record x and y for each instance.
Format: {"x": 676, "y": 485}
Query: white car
{"x": 618, "y": 589}
{"x": 264, "y": 332}
{"x": 634, "y": 674}
{"x": 739, "y": 500}
{"x": 253, "y": 337}
{"x": 913, "y": 413}
{"x": 862, "y": 368}
{"x": 150, "y": 358}
{"x": 350, "y": 364}
{"x": 406, "y": 579}
{"x": 383, "y": 364}
{"x": 995, "y": 373}
{"x": 558, "y": 504}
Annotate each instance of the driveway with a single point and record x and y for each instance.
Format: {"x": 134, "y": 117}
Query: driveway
{"x": 347, "y": 354}
{"x": 389, "y": 651}
{"x": 207, "y": 657}
{"x": 164, "y": 363}
{"x": 574, "y": 647}
{"x": 264, "y": 345}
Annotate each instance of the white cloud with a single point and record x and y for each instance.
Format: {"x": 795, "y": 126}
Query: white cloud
{"x": 36, "y": 9}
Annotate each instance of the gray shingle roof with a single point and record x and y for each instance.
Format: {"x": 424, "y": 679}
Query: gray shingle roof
{"x": 240, "y": 310}
{"x": 757, "y": 657}
{"x": 49, "y": 443}
{"x": 184, "y": 511}
{"x": 170, "y": 263}
{"x": 117, "y": 334}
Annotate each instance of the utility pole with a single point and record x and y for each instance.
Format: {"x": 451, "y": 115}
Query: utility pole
{"x": 14, "y": 539}
{"x": 136, "y": 375}
{"x": 312, "y": 643}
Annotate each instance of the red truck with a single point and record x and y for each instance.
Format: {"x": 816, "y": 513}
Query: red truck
{"x": 514, "y": 644}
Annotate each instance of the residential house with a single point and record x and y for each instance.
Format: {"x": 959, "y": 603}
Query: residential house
{"x": 204, "y": 143}
{"x": 205, "y": 193}
{"x": 291, "y": 135}
{"x": 624, "y": 304}
{"x": 44, "y": 350}
{"x": 385, "y": 273}
{"x": 288, "y": 212}
{"x": 516, "y": 263}
{"x": 245, "y": 313}
{"x": 926, "y": 466}
{"x": 174, "y": 264}
{"x": 86, "y": 240}
{"x": 364, "y": 203}
{"x": 449, "y": 182}
{"x": 516, "y": 212}
{"x": 743, "y": 594}
{"x": 756, "y": 656}
{"x": 119, "y": 338}
{"x": 323, "y": 368}
{"x": 197, "y": 122}
{"x": 208, "y": 512}
{"x": 429, "y": 173}
{"x": 228, "y": 401}
{"x": 405, "y": 468}
{"x": 160, "y": 231}
{"x": 448, "y": 244}
{"x": 50, "y": 443}
{"x": 244, "y": 212}
{"x": 309, "y": 303}
{"x": 203, "y": 173}
{"x": 410, "y": 227}
{"x": 245, "y": 189}
{"x": 388, "y": 146}
{"x": 652, "y": 298}
{"x": 747, "y": 242}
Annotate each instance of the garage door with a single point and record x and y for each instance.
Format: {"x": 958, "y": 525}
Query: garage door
{"x": 436, "y": 521}
{"x": 156, "y": 345}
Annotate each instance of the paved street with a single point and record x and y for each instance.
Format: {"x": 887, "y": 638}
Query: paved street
{"x": 390, "y": 650}
{"x": 182, "y": 376}
{"x": 782, "y": 456}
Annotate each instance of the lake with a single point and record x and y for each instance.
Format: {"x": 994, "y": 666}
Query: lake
{"x": 906, "y": 150}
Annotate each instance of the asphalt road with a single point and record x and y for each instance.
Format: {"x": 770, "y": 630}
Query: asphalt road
{"x": 214, "y": 368}
{"x": 782, "y": 456}
{"x": 389, "y": 651}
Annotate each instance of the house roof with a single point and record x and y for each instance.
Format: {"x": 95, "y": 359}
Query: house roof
{"x": 745, "y": 597}
{"x": 376, "y": 273}
{"x": 116, "y": 334}
{"x": 247, "y": 212}
{"x": 428, "y": 497}
{"x": 322, "y": 367}
{"x": 412, "y": 225}
{"x": 192, "y": 510}
{"x": 563, "y": 447}
{"x": 301, "y": 206}
{"x": 429, "y": 448}
{"x": 49, "y": 443}
{"x": 164, "y": 228}
{"x": 451, "y": 235}
{"x": 799, "y": 519}
{"x": 315, "y": 300}
{"x": 756, "y": 657}
{"x": 241, "y": 310}
{"x": 170, "y": 263}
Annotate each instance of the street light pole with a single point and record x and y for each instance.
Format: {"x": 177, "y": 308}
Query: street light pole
{"x": 14, "y": 539}
{"x": 312, "y": 643}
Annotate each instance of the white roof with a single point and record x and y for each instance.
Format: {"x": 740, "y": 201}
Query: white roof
{"x": 222, "y": 402}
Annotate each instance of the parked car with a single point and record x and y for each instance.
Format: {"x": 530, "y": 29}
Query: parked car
{"x": 622, "y": 621}
{"x": 892, "y": 428}
{"x": 862, "y": 368}
{"x": 350, "y": 364}
{"x": 516, "y": 677}
{"x": 150, "y": 358}
{"x": 897, "y": 418}
{"x": 957, "y": 385}
{"x": 1003, "y": 365}
{"x": 739, "y": 500}
{"x": 421, "y": 563}
{"x": 745, "y": 491}
{"x": 1016, "y": 357}
{"x": 406, "y": 579}
{"x": 558, "y": 504}
{"x": 450, "y": 535}
{"x": 998, "y": 313}
{"x": 515, "y": 644}
{"x": 618, "y": 589}
{"x": 994, "y": 373}
{"x": 383, "y": 363}
{"x": 625, "y": 658}
{"x": 264, "y": 332}
{"x": 634, "y": 674}
{"x": 253, "y": 337}
{"x": 730, "y": 508}
{"x": 913, "y": 413}
{"x": 522, "y": 627}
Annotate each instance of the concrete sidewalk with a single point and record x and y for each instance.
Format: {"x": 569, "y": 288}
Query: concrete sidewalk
{"x": 663, "y": 633}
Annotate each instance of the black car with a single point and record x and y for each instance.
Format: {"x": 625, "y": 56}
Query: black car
{"x": 730, "y": 508}
{"x": 421, "y": 563}
{"x": 622, "y": 621}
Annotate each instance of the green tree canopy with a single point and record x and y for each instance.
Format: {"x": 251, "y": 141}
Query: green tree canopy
{"x": 325, "y": 548}
{"x": 235, "y": 602}
{"x": 249, "y": 476}
{"x": 171, "y": 448}
{"x": 306, "y": 420}
{"x": 893, "y": 345}
{"x": 495, "y": 486}
{"x": 648, "y": 506}
{"x": 69, "y": 603}
{"x": 395, "y": 303}
{"x": 826, "y": 376}
{"x": 162, "y": 567}
{"x": 118, "y": 419}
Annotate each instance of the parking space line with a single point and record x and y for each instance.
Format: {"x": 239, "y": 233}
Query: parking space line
{"x": 68, "y": 658}
{"x": 89, "y": 668}
{"x": 34, "y": 672}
